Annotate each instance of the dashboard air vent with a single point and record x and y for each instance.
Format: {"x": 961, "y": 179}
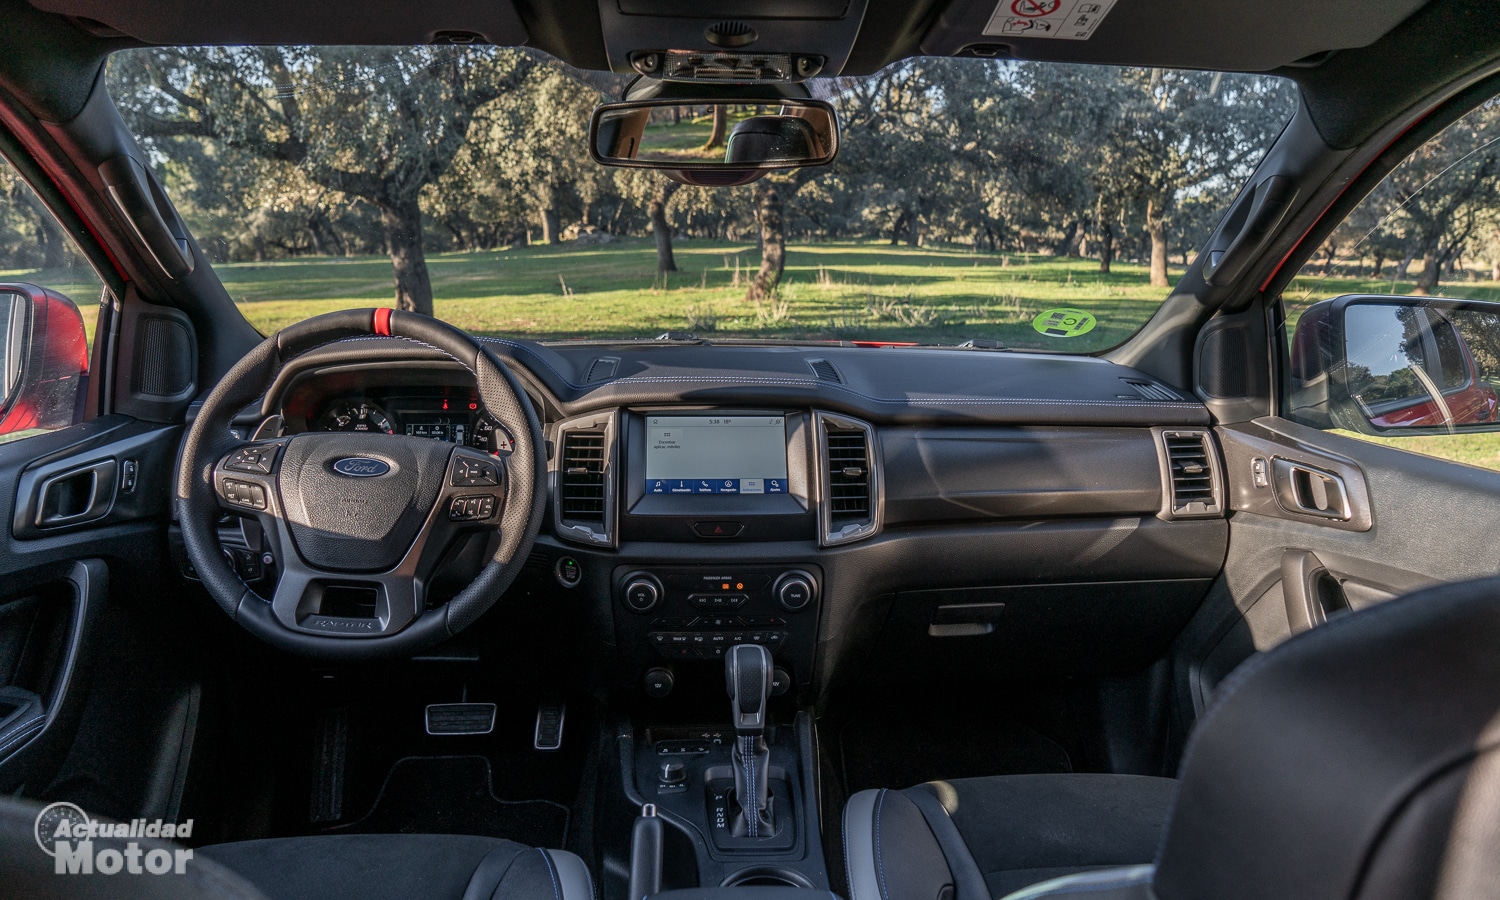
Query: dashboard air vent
{"x": 602, "y": 369}
{"x": 851, "y": 480}
{"x": 1194, "y": 480}
{"x": 825, "y": 371}
{"x": 584, "y": 499}
{"x": 583, "y": 476}
{"x": 1151, "y": 390}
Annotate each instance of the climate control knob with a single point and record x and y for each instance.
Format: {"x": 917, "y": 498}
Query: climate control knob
{"x": 794, "y": 590}
{"x": 642, "y": 592}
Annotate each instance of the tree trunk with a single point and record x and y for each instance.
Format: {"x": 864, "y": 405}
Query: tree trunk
{"x": 1068, "y": 246}
{"x": 403, "y": 236}
{"x": 1156, "y": 227}
{"x": 52, "y": 242}
{"x": 1405, "y": 265}
{"x": 914, "y": 225}
{"x": 1106, "y": 247}
{"x": 716, "y": 136}
{"x": 660, "y": 230}
{"x": 549, "y": 225}
{"x": 772, "y": 242}
{"x": 1427, "y": 279}
{"x": 897, "y": 228}
{"x": 1379, "y": 264}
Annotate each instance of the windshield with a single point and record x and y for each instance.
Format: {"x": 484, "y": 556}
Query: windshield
{"x": 1036, "y": 205}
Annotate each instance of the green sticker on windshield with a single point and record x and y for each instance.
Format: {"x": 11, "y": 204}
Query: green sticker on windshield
{"x": 1064, "y": 322}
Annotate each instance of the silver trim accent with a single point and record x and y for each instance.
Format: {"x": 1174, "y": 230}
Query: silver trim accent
{"x": 581, "y": 533}
{"x": 827, "y": 537}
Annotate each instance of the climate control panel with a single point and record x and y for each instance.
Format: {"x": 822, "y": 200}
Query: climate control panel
{"x": 678, "y": 616}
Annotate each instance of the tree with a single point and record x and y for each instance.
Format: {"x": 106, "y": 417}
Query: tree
{"x": 772, "y": 240}
{"x": 379, "y": 124}
{"x": 665, "y": 188}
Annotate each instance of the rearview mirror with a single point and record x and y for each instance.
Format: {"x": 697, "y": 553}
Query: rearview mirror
{"x": 43, "y": 358}
{"x": 714, "y": 134}
{"x": 1409, "y": 365}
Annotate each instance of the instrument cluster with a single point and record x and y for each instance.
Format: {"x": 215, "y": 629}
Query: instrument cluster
{"x": 439, "y": 413}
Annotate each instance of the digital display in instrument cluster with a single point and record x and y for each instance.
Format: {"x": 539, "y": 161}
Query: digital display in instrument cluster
{"x": 441, "y": 418}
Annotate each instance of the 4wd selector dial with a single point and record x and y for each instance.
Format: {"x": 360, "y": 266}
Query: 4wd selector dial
{"x": 794, "y": 590}
{"x": 642, "y": 592}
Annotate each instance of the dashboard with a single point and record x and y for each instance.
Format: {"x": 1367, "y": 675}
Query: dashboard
{"x": 865, "y": 513}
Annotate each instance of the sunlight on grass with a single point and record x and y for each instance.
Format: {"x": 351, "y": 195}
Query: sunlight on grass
{"x": 861, "y": 291}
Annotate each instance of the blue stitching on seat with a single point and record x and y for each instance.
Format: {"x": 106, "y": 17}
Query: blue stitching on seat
{"x": 556, "y": 891}
{"x": 885, "y": 892}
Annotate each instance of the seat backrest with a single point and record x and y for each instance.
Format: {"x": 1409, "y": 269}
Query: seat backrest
{"x": 1358, "y": 760}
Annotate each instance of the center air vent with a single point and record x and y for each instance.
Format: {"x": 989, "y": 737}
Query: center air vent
{"x": 850, "y": 506}
{"x": 825, "y": 370}
{"x": 1194, "y": 481}
{"x": 584, "y": 500}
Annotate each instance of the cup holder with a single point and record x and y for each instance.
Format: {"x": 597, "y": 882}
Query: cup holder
{"x": 766, "y": 876}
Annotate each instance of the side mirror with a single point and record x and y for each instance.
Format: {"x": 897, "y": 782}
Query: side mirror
{"x": 1407, "y": 365}
{"x": 714, "y": 137}
{"x": 44, "y": 359}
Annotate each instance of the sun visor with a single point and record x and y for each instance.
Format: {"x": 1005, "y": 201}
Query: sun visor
{"x": 377, "y": 22}
{"x": 1233, "y": 35}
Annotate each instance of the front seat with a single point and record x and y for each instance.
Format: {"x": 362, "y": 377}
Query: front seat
{"x": 1357, "y": 760}
{"x": 367, "y": 866}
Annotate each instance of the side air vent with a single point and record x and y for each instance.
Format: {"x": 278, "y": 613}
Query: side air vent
{"x": 850, "y": 506}
{"x": 825, "y": 371}
{"x": 1150, "y": 390}
{"x": 1195, "y": 482}
{"x": 584, "y": 490}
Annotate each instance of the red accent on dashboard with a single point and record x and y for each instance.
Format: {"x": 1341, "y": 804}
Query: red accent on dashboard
{"x": 383, "y": 321}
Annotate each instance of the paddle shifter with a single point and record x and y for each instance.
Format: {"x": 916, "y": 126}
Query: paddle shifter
{"x": 747, "y": 673}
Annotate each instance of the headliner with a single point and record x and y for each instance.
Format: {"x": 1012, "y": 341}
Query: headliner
{"x": 1231, "y": 35}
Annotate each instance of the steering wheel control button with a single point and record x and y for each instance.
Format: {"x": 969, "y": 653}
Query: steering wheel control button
{"x": 718, "y": 529}
{"x": 794, "y": 591}
{"x": 569, "y": 573}
{"x": 241, "y": 493}
{"x": 255, "y": 459}
{"x": 471, "y": 509}
{"x": 474, "y": 473}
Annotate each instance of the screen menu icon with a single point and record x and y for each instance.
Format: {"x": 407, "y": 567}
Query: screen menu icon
{"x": 716, "y": 486}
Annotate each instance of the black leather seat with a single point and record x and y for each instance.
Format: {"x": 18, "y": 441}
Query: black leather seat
{"x": 370, "y": 867}
{"x": 1357, "y": 760}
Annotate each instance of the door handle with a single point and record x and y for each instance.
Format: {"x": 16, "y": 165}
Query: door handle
{"x": 1312, "y": 594}
{"x": 76, "y": 496}
{"x": 1312, "y": 492}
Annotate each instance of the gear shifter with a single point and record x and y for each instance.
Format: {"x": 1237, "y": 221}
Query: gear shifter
{"x": 747, "y": 674}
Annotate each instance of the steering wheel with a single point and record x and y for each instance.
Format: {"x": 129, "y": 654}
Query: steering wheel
{"x": 359, "y": 522}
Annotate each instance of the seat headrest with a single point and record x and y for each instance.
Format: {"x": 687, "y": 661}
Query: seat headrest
{"x": 1364, "y": 753}
{"x": 760, "y": 139}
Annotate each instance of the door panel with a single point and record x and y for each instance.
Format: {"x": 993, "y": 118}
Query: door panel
{"x": 1414, "y": 521}
{"x": 55, "y": 576}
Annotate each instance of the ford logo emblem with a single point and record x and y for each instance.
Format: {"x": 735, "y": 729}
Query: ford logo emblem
{"x": 360, "y": 467}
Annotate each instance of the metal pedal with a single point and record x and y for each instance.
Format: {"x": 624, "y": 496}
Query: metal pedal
{"x": 460, "y": 718}
{"x": 550, "y": 716}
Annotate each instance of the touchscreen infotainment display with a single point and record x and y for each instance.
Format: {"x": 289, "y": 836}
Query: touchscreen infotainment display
{"x": 716, "y": 455}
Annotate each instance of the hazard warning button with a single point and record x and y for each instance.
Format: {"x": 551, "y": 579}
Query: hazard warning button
{"x": 718, "y": 529}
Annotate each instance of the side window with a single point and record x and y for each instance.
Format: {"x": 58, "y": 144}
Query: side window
{"x": 49, "y": 298}
{"x": 1431, "y": 228}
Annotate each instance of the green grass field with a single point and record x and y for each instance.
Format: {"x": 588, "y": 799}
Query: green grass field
{"x": 853, "y": 291}
{"x": 859, "y": 291}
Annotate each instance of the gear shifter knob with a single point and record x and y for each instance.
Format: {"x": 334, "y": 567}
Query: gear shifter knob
{"x": 747, "y": 675}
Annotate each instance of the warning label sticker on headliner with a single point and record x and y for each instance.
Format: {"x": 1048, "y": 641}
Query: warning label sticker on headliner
{"x": 1062, "y": 20}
